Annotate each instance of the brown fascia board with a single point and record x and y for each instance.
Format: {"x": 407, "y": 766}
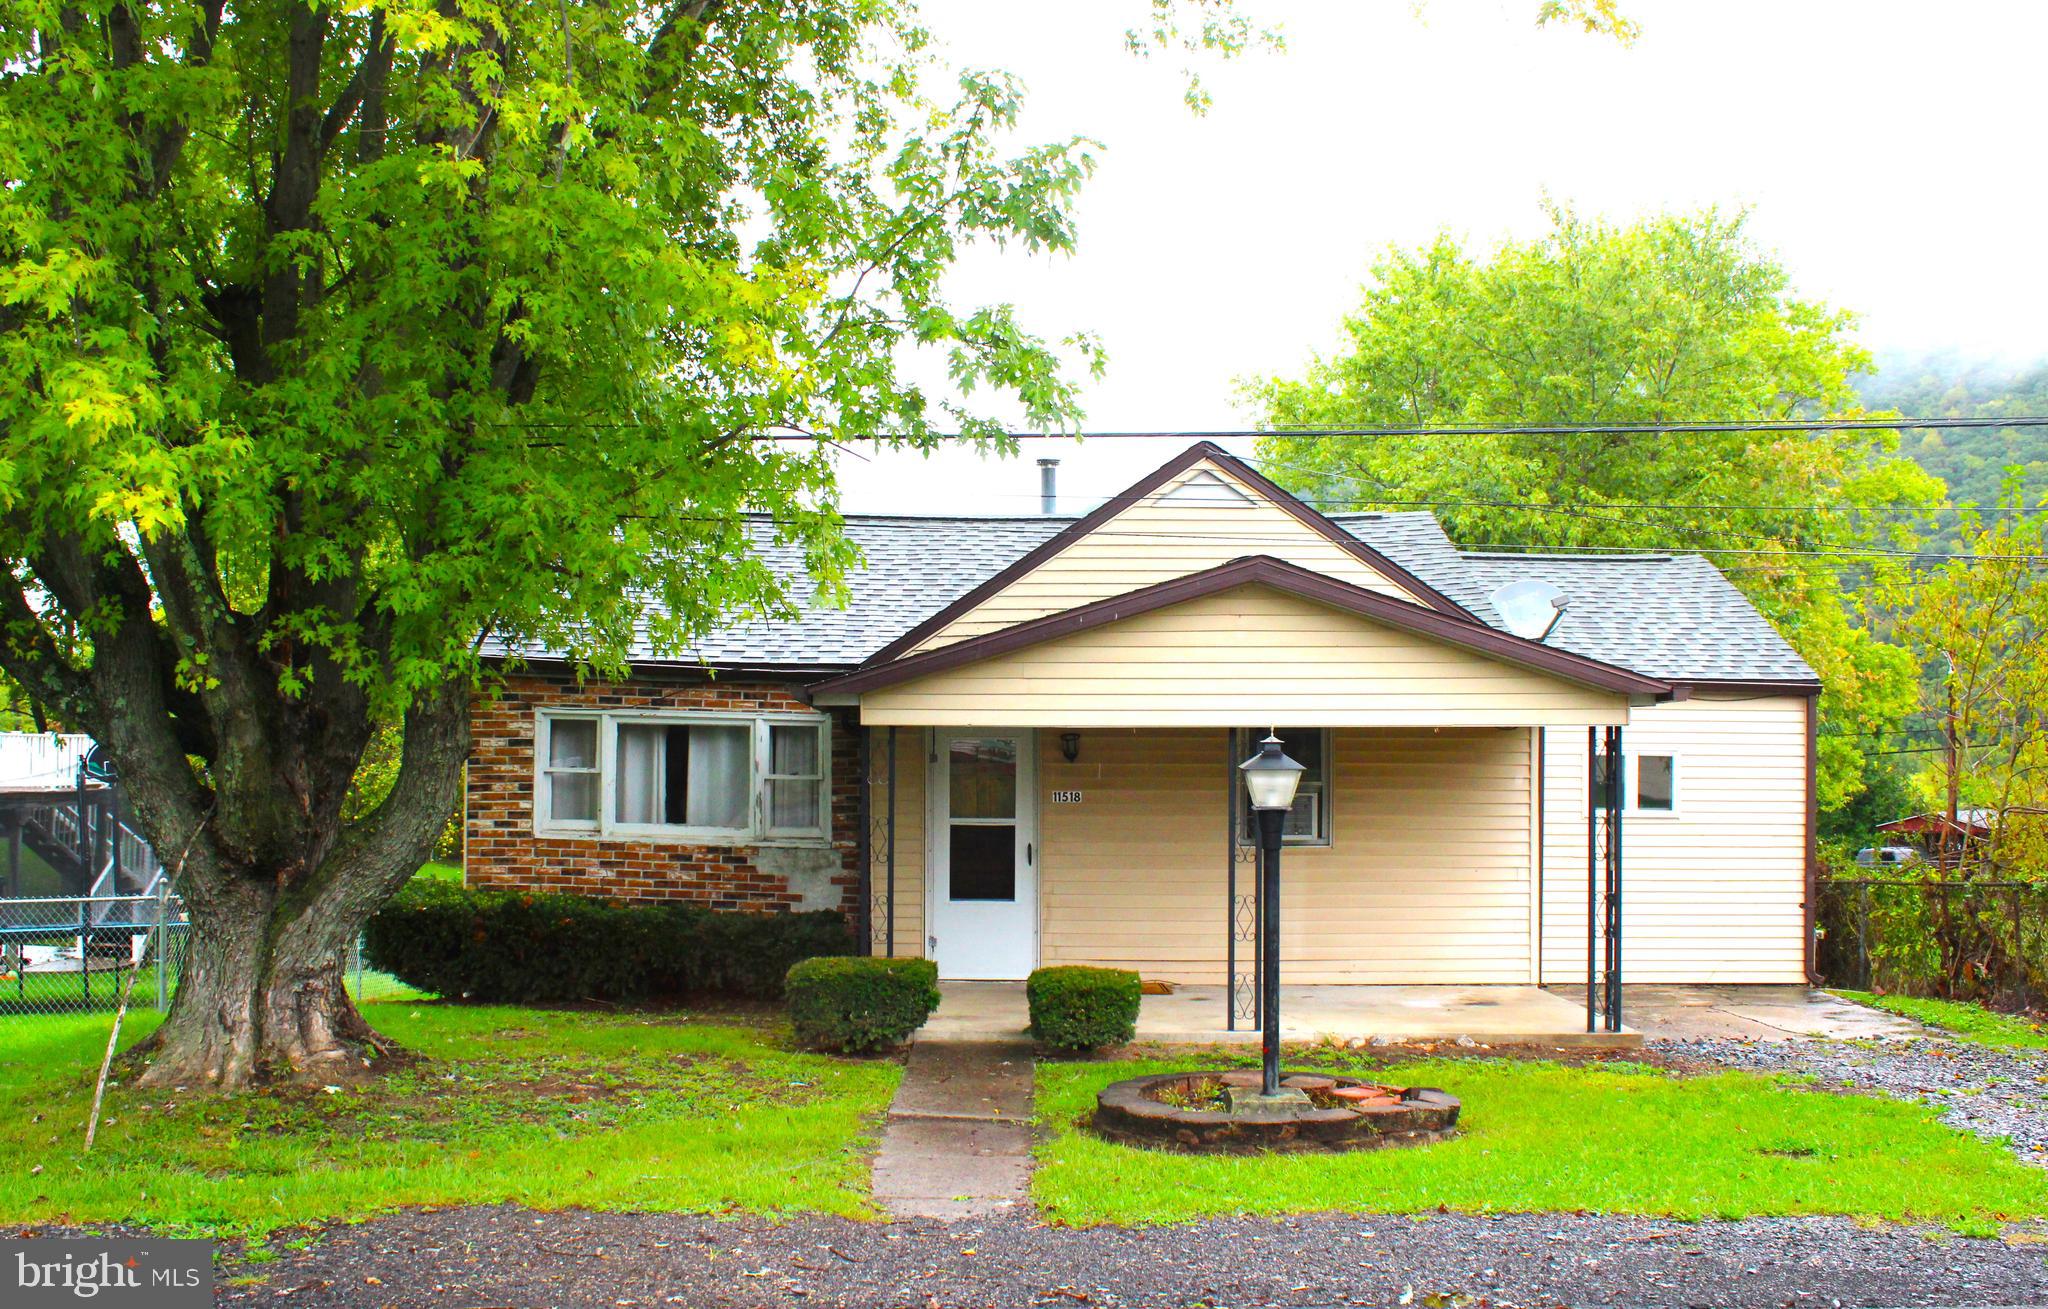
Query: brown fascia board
{"x": 1806, "y": 686}
{"x": 686, "y": 668}
{"x": 1137, "y": 491}
{"x": 1261, "y": 570}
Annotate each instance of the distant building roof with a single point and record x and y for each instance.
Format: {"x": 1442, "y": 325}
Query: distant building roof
{"x": 1974, "y": 820}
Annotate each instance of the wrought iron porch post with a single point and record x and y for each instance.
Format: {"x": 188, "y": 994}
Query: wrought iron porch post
{"x": 1229, "y": 886}
{"x": 890, "y": 908}
{"x": 1617, "y": 796}
{"x": 863, "y": 848}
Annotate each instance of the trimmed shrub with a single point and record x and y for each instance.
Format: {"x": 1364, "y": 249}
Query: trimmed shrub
{"x": 860, "y": 1003}
{"x": 1077, "y": 1008}
{"x": 507, "y": 947}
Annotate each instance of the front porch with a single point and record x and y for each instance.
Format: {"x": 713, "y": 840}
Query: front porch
{"x": 1193, "y": 1014}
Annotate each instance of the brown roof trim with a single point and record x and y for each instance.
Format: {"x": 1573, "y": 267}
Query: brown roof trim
{"x": 1262, "y": 570}
{"x": 1137, "y": 491}
{"x": 1708, "y": 685}
{"x": 676, "y": 669}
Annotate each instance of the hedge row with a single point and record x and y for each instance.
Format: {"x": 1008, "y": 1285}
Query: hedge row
{"x": 1079, "y": 1008}
{"x": 861, "y": 1004}
{"x": 514, "y": 948}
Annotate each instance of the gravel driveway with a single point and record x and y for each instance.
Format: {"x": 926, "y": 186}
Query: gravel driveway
{"x": 513, "y": 1257}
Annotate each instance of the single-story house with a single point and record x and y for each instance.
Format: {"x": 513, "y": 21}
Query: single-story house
{"x": 1016, "y": 745}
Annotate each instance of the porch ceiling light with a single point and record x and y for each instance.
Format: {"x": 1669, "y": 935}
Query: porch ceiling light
{"x": 1271, "y": 777}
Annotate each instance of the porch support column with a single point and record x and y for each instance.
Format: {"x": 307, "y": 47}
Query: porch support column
{"x": 1606, "y": 797}
{"x": 1617, "y": 797}
{"x": 878, "y": 841}
{"x": 891, "y": 873}
{"x": 864, "y": 851}
{"x": 1241, "y": 983}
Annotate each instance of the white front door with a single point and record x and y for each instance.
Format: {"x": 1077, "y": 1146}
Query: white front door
{"x": 984, "y": 854}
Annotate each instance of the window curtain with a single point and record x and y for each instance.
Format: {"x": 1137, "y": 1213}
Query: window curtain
{"x": 720, "y": 766}
{"x": 793, "y": 801}
{"x": 640, "y": 774}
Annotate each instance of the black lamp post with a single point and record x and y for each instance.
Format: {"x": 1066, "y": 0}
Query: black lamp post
{"x": 1271, "y": 778}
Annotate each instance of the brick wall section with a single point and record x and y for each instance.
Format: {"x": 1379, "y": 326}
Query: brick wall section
{"x": 501, "y": 850}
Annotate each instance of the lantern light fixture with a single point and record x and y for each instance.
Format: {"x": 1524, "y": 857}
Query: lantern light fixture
{"x": 1271, "y": 777}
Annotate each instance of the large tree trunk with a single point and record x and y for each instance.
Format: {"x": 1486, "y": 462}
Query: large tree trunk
{"x": 262, "y": 995}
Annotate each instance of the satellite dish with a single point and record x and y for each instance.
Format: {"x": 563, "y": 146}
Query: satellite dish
{"x": 1529, "y": 608}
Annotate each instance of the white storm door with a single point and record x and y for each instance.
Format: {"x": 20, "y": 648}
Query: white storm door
{"x": 985, "y": 855}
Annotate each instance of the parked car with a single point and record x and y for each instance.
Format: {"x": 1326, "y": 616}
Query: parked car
{"x": 1888, "y": 856}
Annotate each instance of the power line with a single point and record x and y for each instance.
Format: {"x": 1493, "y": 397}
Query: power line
{"x": 1367, "y": 503}
{"x": 1512, "y": 429}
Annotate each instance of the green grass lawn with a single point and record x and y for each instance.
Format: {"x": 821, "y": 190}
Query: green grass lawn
{"x": 543, "y": 1108}
{"x": 1545, "y": 1137}
{"x": 1970, "y": 1022}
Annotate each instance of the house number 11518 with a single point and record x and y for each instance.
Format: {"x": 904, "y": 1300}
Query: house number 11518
{"x": 1066, "y": 797}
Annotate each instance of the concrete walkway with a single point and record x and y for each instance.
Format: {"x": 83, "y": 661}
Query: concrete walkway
{"x": 1194, "y": 1015}
{"x": 958, "y": 1139}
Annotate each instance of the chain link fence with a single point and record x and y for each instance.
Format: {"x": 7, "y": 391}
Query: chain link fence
{"x": 1948, "y": 937}
{"x": 74, "y": 954}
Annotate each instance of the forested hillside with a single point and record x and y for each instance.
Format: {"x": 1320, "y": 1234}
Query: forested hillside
{"x": 1973, "y": 461}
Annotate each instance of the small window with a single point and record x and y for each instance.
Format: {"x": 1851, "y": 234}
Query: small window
{"x": 1308, "y": 822}
{"x": 796, "y": 779}
{"x": 684, "y": 774}
{"x": 572, "y": 772}
{"x": 1656, "y": 779}
{"x": 1650, "y": 782}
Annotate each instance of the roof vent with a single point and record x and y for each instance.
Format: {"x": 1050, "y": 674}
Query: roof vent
{"x": 1529, "y": 608}
{"x": 1048, "y": 486}
{"x": 1205, "y": 487}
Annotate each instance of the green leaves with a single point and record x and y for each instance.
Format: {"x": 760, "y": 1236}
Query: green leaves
{"x": 414, "y": 324}
{"x": 1674, "y": 319}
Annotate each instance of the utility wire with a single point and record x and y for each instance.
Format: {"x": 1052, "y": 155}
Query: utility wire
{"x": 1532, "y": 429}
{"x": 1322, "y": 433}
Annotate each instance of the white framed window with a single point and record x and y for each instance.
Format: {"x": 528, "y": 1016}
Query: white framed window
{"x": 1308, "y": 822}
{"x": 683, "y": 775}
{"x": 1650, "y": 786}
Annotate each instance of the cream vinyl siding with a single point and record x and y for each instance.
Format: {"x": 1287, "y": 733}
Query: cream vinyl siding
{"x": 1715, "y": 893}
{"x": 1427, "y": 878}
{"x": 912, "y": 747}
{"x": 1161, "y": 537}
{"x": 1248, "y": 655}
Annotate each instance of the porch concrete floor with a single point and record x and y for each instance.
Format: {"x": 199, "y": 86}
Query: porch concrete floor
{"x": 1491, "y": 1015}
{"x": 1756, "y": 1013}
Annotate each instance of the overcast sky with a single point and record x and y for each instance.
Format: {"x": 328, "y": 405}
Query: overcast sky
{"x": 1889, "y": 153}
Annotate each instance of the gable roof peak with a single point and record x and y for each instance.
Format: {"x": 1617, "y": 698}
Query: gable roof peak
{"x": 1148, "y": 485}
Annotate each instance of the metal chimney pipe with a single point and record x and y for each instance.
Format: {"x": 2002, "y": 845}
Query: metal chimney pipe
{"x": 1048, "y": 486}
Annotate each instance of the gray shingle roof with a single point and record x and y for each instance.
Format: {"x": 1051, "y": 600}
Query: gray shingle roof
{"x": 1671, "y": 616}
